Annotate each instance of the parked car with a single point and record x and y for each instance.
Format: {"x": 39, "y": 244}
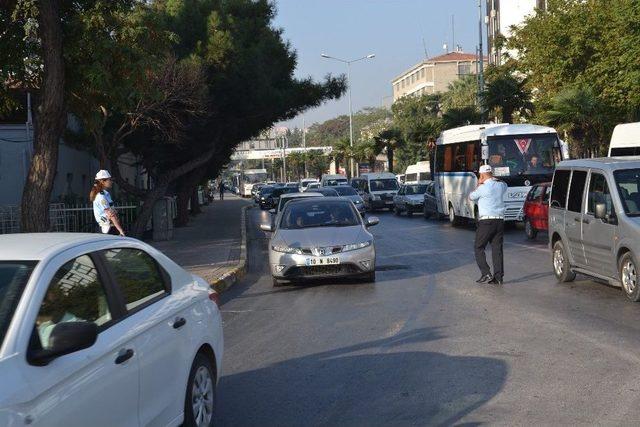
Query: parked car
{"x": 321, "y": 238}
{"x": 312, "y": 185}
{"x": 256, "y": 189}
{"x": 594, "y": 221}
{"x": 430, "y": 203}
{"x": 262, "y": 197}
{"x": 350, "y": 193}
{"x": 409, "y": 199}
{"x": 292, "y": 184}
{"x": 536, "y": 209}
{"x": 104, "y": 331}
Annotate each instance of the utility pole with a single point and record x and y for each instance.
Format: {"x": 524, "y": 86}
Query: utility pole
{"x": 284, "y": 159}
{"x": 481, "y": 59}
{"x": 304, "y": 146}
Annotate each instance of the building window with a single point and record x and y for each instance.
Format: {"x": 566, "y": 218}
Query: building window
{"x": 464, "y": 68}
{"x": 422, "y": 73}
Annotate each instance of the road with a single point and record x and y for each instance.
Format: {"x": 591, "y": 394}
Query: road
{"x": 425, "y": 344}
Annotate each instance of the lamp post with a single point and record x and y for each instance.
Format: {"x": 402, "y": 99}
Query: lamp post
{"x": 349, "y": 62}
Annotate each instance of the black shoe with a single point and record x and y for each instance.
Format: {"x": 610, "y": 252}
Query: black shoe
{"x": 495, "y": 281}
{"x": 484, "y": 278}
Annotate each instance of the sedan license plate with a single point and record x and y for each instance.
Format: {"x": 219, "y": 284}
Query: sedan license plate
{"x": 389, "y": 202}
{"x": 323, "y": 261}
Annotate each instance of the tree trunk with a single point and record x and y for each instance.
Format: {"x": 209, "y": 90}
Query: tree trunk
{"x": 182, "y": 207}
{"x": 507, "y": 115}
{"x": 49, "y": 124}
{"x": 195, "y": 202}
{"x": 390, "y": 158}
{"x": 139, "y": 226}
{"x": 187, "y": 185}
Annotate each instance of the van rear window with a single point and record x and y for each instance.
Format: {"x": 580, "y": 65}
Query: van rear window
{"x": 559, "y": 188}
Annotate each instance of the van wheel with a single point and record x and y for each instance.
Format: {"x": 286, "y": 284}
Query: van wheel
{"x": 561, "y": 267}
{"x": 426, "y": 214}
{"x": 529, "y": 230}
{"x": 453, "y": 218}
{"x": 396, "y": 210}
{"x": 200, "y": 404}
{"x": 629, "y": 277}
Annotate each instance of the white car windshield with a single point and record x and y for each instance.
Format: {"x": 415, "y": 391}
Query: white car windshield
{"x": 14, "y": 276}
{"x": 319, "y": 214}
{"x": 344, "y": 190}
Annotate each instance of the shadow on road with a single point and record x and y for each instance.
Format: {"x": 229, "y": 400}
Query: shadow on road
{"x": 345, "y": 387}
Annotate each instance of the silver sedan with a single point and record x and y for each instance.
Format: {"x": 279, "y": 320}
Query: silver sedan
{"x": 321, "y": 238}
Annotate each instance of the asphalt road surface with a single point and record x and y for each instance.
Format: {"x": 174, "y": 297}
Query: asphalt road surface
{"x": 425, "y": 344}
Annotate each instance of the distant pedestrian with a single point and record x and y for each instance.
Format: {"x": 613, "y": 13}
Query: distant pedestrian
{"x": 490, "y": 197}
{"x": 221, "y": 188}
{"x": 103, "y": 210}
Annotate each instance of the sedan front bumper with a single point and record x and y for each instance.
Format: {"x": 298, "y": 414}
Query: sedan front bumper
{"x": 293, "y": 266}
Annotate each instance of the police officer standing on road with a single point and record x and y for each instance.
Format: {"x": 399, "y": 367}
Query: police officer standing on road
{"x": 103, "y": 210}
{"x": 221, "y": 188}
{"x": 490, "y": 197}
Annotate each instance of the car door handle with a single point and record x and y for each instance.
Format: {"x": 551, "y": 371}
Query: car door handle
{"x": 124, "y": 356}
{"x": 577, "y": 219}
{"x": 179, "y": 322}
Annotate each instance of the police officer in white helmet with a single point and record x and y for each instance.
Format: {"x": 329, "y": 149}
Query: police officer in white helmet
{"x": 103, "y": 210}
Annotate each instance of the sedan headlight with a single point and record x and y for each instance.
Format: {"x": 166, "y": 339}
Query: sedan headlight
{"x": 355, "y": 246}
{"x": 287, "y": 249}
{"x": 357, "y": 202}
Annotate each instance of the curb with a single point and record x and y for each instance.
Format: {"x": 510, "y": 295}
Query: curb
{"x": 231, "y": 277}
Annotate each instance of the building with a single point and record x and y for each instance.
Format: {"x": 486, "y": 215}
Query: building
{"x": 435, "y": 74}
{"x": 501, "y": 16}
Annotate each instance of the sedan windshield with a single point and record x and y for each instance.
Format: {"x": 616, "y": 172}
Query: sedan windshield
{"x": 320, "y": 214}
{"x": 344, "y": 190}
{"x": 14, "y": 276}
{"x": 383, "y": 184}
{"x": 628, "y": 183}
{"x": 416, "y": 189}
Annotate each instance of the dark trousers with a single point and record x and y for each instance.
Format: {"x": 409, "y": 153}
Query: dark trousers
{"x": 221, "y": 194}
{"x": 490, "y": 231}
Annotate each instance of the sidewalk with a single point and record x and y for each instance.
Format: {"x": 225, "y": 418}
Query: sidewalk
{"x": 210, "y": 245}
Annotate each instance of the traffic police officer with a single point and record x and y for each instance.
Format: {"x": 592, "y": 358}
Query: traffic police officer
{"x": 103, "y": 210}
{"x": 490, "y": 198}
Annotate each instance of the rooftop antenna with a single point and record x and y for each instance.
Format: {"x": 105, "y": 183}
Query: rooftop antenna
{"x": 424, "y": 46}
{"x": 453, "y": 31}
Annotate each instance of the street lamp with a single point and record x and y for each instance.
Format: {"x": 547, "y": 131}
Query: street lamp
{"x": 349, "y": 62}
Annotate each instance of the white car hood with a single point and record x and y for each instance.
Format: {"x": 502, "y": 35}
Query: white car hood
{"x": 321, "y": 236}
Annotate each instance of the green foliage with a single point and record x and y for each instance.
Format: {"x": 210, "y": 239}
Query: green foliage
{"x": 331, "y": 131}
{"x": 506, "y": 94}
{"x": 462, "y": 93}
{"x": 317, "y": 163}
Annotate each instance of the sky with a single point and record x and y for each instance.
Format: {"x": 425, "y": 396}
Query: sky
{"x": 393, "y": 30}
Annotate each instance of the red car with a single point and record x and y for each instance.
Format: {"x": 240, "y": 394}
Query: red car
{"x": 536, "y": 209}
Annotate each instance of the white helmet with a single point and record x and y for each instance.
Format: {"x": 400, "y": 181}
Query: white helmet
{"x": 103, "y": 174}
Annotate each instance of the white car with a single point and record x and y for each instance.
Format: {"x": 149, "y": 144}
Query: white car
{"x": 104, "y": 331}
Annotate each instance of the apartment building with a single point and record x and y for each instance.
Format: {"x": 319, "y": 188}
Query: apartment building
{"x": 501, "y": 16}
{"x": 434, "y": 75}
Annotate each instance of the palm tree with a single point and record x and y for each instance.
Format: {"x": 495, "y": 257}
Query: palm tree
{"x": 391, "y": 139}
{"x": 578, "y": 111}
{"x": 366, "y": 151}
{"x": 506, "y": 93}
{"x": 454, "y": 117}
{"x": 295, "y": 164}
{"x": 341, "y": 153}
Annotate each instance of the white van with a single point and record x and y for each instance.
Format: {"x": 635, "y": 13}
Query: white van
{"x": 304, "y": 183}
{"x": 625, "y": 140}
{"x": 377, "y": 189}
{"x": 419, "y": 172}
{"x": 333, "y": 180}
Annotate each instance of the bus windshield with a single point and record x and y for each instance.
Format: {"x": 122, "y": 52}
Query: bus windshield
{"x": 524, "y": 155}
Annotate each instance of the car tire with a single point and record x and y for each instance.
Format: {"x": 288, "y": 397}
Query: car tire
{"x": 370, "y": 277}
{"x": 529, "y": 229}
{"x": 628, "y": 268}
{"x": 560, "y": 261}
{"x": 277, "y": 283}
{"x": 396, "y": 211}
{"x": 200, "y": 402}
{"x": 426, "y": 214}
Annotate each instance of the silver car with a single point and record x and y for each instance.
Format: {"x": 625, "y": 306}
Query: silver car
{"x": 350, "y": 193}
{"x": 409, "y": 199}
{"x": 594, "y": 221}
{"x": 321, "y": 238}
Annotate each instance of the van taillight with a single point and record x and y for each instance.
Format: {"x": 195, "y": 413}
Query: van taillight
{"x": 215, "y": 297}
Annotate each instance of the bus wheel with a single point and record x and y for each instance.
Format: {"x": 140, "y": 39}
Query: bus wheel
{"x": 453, "y": 218}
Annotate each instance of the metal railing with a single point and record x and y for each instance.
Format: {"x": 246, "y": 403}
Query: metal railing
{"x": 63, "y": 218}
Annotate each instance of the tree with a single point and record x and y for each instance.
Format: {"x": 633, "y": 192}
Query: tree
{"x": 341, "y": 154}
{"x": 454, "y": 117}
{"x": 461, "y": 93}
{"x": 506, "y": 94}
{"x": 577, "y": 111}
{"x": 317, "y": 163}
